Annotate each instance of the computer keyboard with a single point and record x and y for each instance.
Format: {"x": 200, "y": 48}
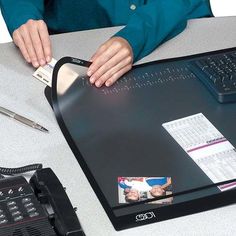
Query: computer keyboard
{"x": 218, "y": 73}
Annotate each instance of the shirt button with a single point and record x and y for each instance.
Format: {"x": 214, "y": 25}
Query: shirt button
{"x": 132, "y": 7}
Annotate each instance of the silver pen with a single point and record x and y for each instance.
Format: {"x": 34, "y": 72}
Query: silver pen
{"x": 22, "y": 119}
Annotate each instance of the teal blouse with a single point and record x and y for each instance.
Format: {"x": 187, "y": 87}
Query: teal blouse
{"x": 147, "y": 22}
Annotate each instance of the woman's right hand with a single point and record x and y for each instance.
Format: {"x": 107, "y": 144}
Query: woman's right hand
{"x": 32, "y": 38}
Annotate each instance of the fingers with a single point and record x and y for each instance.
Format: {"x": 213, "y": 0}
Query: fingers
{"x": 104, "y": 53}
{"x": 29, "y": 44}
{"x": 103, "y": 66}
{"x": 99, "y": 52}
{"x": 108, "y": 73}
{"x": 110, "y": 62}
{"x": 115, "y": 76}
{"x": 33, "y": 40}
{"x": 44, "y": 36}
{"x": 21, "y": 45}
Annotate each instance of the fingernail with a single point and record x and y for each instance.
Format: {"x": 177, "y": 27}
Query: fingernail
{"x": 92, "y": 79}
{"x": 42, "y": 62}
{"x": 35, "y": 64}
{"x": 48, "y": 59}
{"x": 28, "y": 60}
{"x": 89, "y": 73}
{"x": 108, "y": 84}
{"x": 98, "y": 84}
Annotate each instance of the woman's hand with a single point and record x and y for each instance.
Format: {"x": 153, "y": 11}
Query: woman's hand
{"x": 112, "y": 59}
{"x": 33, "y": 40}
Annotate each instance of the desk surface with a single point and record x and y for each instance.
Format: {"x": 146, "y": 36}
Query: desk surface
{"x": 21, "y": 145}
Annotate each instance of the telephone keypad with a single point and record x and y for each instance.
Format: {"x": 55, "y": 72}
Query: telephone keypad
{"x": 18, "y": 204}
{"x": 23, "y": 213}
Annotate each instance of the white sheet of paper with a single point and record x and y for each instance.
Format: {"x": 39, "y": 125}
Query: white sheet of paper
{"x": 208, "y": 148}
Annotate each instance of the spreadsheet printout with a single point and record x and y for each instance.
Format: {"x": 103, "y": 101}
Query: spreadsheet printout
{"x": 208, "y": 148}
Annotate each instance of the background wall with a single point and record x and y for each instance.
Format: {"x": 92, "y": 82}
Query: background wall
{"x": 4, "y": 35}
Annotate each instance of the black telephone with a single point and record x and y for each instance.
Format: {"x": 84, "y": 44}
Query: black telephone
{"x": 38, "y": 208}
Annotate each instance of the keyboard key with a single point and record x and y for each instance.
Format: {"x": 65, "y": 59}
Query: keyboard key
{"x": 33, "y": 214}
{"x": 13, "y": 208}
{"x": 25, "y": 200}
{"x": 233, "y": 55}
{"x": 11, "y": 203}
{"x": 3, "y": 221}
{"x": 20, "y": 189}
{"x": 202, "y": 64}
{"x": 32, "y": 209}
{"x": 10, "y": 192}
{"x": 15, "y": 213}
{"x": 28, "y": 205}
{"x": 233, "y": 77}
{"x": 18, "y": 218}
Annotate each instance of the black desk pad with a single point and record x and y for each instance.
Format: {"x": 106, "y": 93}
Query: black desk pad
{"x": 118, "y": 131}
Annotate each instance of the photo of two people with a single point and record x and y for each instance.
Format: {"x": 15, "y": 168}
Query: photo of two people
{"x": 135, "y": 189}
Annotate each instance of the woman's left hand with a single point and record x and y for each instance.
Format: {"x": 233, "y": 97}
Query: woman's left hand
{"x": 112, "y": 59}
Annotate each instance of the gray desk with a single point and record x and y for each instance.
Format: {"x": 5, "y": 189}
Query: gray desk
{"x": 21, "y": 145}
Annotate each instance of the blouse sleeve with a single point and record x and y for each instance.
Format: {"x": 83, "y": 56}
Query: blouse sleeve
{"x": 160, "y": 20}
